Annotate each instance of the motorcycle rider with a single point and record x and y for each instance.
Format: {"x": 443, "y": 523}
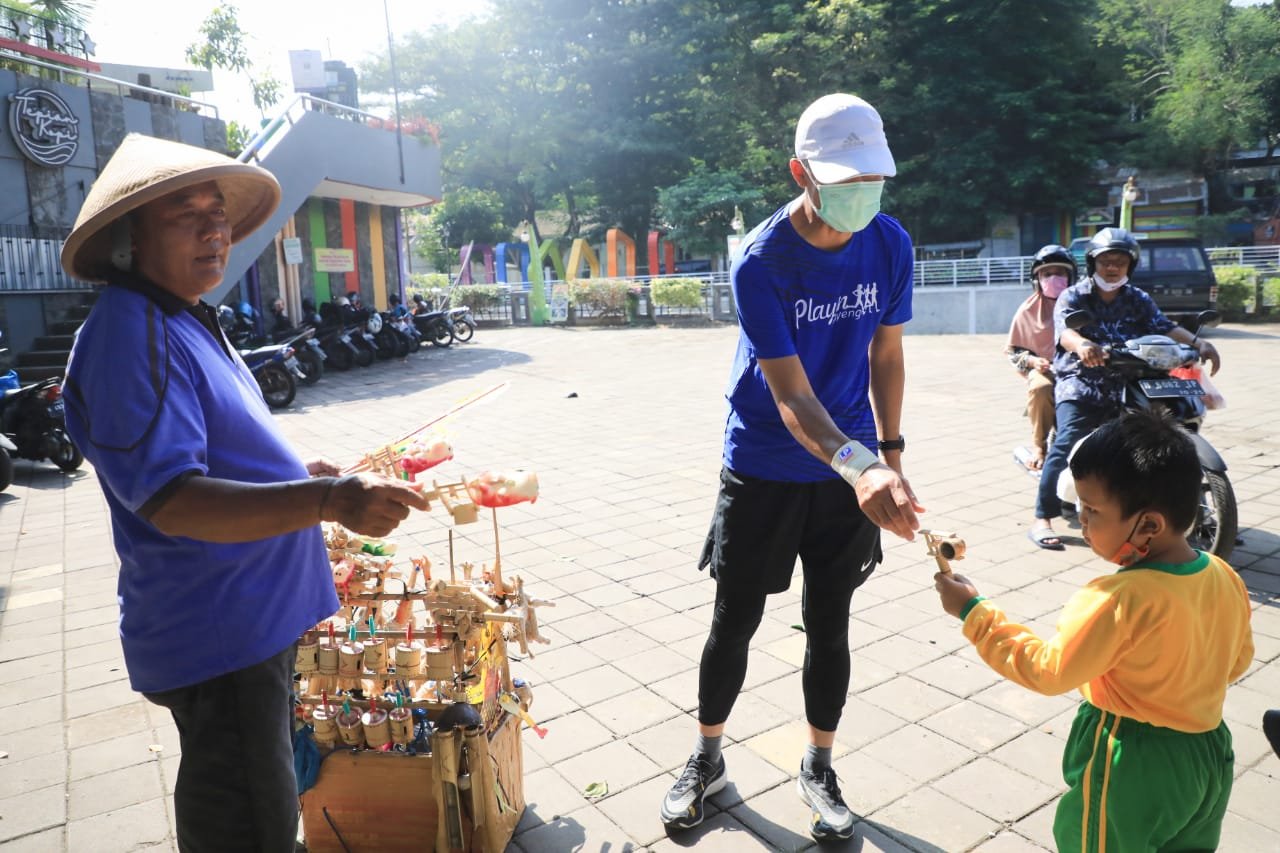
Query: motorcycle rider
{"x": 1086, "y": 393}
{"x": 1030, "y": 345}
{"x": 396, "y": 307}
{"x": 279, "y": 320}
{"x": 348, "y": 311}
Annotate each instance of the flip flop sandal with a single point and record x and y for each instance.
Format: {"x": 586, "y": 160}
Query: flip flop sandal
{"x": 1046, "y": 539}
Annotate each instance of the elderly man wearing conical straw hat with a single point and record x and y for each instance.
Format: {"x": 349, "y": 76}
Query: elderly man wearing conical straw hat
{"x": 215, "y": 518}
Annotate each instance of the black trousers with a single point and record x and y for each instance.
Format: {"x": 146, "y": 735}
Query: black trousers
{"x": 759, "y": 529}
{"x": 236, "y": 787}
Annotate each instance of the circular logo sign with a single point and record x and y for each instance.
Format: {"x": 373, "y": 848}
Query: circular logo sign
{"x": 43, "y": 126}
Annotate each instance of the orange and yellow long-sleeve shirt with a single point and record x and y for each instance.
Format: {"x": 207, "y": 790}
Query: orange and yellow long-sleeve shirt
{"x": 1155, "y": 642}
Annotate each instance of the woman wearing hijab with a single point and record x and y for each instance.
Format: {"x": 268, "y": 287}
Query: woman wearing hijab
{"x": 1031, "y": 343}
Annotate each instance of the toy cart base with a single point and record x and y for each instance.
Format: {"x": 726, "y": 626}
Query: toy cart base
{"x": 384, "y": 801}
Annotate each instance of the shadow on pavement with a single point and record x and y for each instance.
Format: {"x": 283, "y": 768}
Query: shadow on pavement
{"x": 44, "y": 476}
{"x": 385, "y": 380}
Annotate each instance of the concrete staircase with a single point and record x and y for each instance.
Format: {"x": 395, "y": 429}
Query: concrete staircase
{"x": 48, "y": 357}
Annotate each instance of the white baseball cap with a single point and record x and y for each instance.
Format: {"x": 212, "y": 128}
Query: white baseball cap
{"x": 840, "y": 137}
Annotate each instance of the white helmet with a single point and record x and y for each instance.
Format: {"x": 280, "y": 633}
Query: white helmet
{"x": 342, "y": 301}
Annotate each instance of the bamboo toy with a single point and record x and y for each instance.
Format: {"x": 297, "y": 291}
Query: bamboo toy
{"x": 444, "y": 749}
{"x": 384, "y": 455}
{"x": 943, "y": 547}
{"x": 526, "y": 614}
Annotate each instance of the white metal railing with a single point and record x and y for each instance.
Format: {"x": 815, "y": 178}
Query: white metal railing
{"x": 1262, "y": 257}
{"x": 198, "y": 107}
{"x": 972, "y": 272}
{"x": 980, "y": 272}
{"x": 266, "y": 139}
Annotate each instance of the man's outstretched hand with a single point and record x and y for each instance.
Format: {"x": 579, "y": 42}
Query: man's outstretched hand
{"x": 370, "y": 504}
{"x": 887, "y": 499}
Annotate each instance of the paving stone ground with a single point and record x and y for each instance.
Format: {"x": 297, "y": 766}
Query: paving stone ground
{"x": 624, "y": 430}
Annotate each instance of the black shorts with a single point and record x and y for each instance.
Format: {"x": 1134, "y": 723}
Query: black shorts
{"x": 761, "y": 526}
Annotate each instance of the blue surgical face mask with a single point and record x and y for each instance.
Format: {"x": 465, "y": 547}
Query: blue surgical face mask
{"x": 849, "y": 207}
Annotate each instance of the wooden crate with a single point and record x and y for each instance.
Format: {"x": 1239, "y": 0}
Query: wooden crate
{"x": 386, "y": 801}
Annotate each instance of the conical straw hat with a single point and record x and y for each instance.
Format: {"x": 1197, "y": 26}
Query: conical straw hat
{"x": 145, "y": 168}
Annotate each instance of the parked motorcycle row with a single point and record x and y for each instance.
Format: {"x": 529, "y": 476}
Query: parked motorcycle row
{"x": 340, "y": 335}
{"x": 33, "y": 425}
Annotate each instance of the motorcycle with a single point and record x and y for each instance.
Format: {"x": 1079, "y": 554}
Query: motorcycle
{"x": 1145, "y": 364}
{"x": 33, "y": 426}
{"x": 277, "y": 372}
{"x": 307, "y": 350}
{"x": 434, "y": 326}
{"x": 462, "y": 323}
{"x": 392, "y": 337}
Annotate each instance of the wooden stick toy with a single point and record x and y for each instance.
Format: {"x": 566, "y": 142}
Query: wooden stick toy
{"x": 383, "y": 454}
{"x": 943, "y": 547}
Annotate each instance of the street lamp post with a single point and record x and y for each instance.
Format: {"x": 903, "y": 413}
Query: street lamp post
{"x": 1127, "y": 197}
{"x": 395, "y": 87}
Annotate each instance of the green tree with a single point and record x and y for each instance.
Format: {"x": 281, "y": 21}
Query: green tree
{"x": 465, "y": 215}
{"x": 73, "y": 12}
{"x": 979, "y": 126}
{"x": 225, "y": 45}
{"x": 1202, "y": 77}
{"x": 697, "y": 211}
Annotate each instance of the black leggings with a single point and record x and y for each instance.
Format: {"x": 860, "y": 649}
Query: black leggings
{"x": 826, "y": 655}
{"x": 759, "y": 529}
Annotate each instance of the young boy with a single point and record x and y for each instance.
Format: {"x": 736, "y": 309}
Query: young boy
{"x": 1152, "y": 647}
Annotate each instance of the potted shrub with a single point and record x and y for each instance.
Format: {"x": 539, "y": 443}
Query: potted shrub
{"x": 678, "y": 298}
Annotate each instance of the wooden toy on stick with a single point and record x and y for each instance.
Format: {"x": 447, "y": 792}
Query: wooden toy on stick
{"x": 943, "y": 547}
{"x": 493, "y": 489}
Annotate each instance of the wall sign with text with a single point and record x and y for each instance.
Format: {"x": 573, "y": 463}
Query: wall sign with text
{"x": 43, "y": 126}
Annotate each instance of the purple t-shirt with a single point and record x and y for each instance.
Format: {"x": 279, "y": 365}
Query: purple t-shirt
{"x": 825, "y": 307}
{"x": 152, "y": 396}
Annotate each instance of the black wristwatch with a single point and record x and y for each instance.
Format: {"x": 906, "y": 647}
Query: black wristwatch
{"x": 899, "y": 443}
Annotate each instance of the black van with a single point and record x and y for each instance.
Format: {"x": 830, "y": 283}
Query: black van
{"x": 1176, "y": 273}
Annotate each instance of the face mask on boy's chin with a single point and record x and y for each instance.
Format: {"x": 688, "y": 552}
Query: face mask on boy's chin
{"x": 1109, "y": 286}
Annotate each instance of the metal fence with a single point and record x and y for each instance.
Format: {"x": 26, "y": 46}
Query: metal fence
{"x": 1265, "y": 258}
{"x": 978, "y": 272}
{"x": 29, "y": 261}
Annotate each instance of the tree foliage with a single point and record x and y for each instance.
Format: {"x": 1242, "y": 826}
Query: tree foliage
{"x": 465, "y": 215}
{"x": 636, "y": 113}
{"x": 224, "y": 44}
{"x": 698, "y": 210}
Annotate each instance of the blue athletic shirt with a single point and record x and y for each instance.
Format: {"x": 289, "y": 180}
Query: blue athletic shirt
{"x": 152, "y": 397}
{"x": 824, "y": 306}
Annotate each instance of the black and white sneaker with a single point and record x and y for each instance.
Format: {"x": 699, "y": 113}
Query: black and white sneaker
{"x": 831, "y": 817}
{"x": 683, "y": 806}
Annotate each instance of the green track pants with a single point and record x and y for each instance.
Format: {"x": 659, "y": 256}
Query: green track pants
{"x": 1135, "y": 787}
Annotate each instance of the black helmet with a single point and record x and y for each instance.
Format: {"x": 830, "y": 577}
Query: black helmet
{"x": 1112, "y": 240}
{"x": 1054, "y": 255}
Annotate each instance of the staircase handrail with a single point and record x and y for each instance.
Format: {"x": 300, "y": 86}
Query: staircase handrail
{"x": 263, "y": 140}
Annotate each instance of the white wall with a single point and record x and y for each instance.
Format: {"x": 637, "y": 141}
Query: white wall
{"x": 965, "y": 310}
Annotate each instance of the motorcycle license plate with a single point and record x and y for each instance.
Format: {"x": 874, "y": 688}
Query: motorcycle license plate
{"x": 56, "y": 409}
{"x": 1171, "y": 387}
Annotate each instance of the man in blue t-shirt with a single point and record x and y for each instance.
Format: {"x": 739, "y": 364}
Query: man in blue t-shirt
{"x": 1086, "y": 393}
{"x": 822, "y": 288}
{"x": 215, "y": 519}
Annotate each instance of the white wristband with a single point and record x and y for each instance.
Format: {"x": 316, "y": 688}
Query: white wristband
{"x": 851, "y": 460}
